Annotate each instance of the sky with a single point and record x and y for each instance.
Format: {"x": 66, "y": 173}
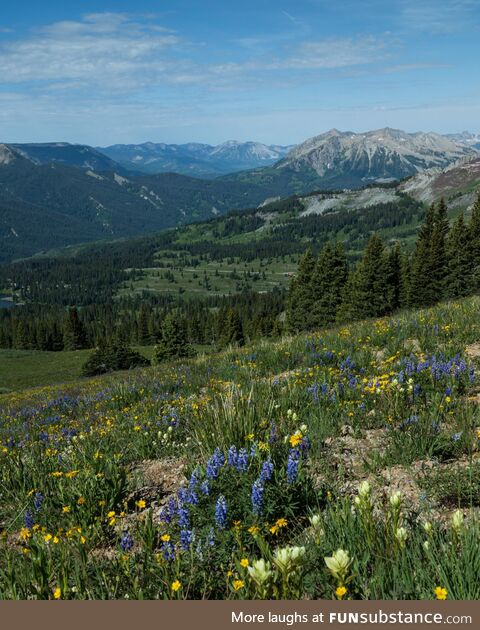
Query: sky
{"x": 274, "y": 71}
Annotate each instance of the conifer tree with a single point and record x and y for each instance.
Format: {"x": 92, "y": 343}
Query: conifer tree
{"x": 366, "y": 292}
{"x": 74, "y": 335}
{"x": 422, "y": 292}
{"x": 394, "y": 278}
{"x": 300, "y": 302}
{"x": 174, "y": 342}
{"x": 474, "y": 237}
{"x": 328, "y": 279}
{"x": 459, "y": 278}
{"x": 439, "y": 262}
{"x": 233, "y": 332}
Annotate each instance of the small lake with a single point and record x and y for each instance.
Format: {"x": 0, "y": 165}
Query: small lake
{"x": 5, "y": 303}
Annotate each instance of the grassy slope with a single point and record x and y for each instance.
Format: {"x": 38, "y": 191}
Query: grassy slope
{"x": 376, "y": 407}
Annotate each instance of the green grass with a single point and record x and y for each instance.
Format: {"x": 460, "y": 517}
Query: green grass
{"x": 23, "y": 369}
{"x": 300, "y": 442}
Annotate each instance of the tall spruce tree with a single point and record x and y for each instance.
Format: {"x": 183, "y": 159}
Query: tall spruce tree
{"x": 459, "y": 277}
{"x": 233, "y": 331}
{"x": 422, "y": 291}
{"x": 328, "y": 279}
{"x": 74, "y": 335}
{"x": 474, "y": 237}
{"x": 439, "y": 263}
{"x": 300, "y": 300}
{"x": 366, "y": 292}
{"x": 174, "y": 342}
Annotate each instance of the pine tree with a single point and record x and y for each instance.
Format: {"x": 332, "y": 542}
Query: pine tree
{"x": 233, "y": 332}
{"x": 300, "y": 301}
{"x": 459, "y": 277}
{"x": 366, "y": 291}
{"x": 74, "y": 335}
{"x": 474, "y": 237}
{"x": 421, "y": 288}
{"x": 439, "y": 263}
{"x": 328, "y": 279}
{"x": 394, "y": 278}
{"x": 174, "y": 342}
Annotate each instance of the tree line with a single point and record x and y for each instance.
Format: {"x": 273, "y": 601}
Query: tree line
{"x": 445, "y": 263}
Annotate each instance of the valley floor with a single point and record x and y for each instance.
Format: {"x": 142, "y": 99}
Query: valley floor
{"x": 343, "y": 464}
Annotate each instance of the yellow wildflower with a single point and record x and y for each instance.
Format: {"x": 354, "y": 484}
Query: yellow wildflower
{"x": 66, "y": 509}
{"x": 244, "y": 562}
{"x": 57, "y": 593}
{"x": 238, "y": 584}
{"x": 165, "y": 537}
{"x": 176, "y": 586}
{"x": 340, "y": 592}
{"x": 140, "y": 504}
{"x": 441, "y": 593}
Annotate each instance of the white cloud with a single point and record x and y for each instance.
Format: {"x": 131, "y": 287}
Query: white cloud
{"x": 106, "y": 50}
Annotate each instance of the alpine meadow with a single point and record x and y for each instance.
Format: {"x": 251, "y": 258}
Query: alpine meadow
{"x": 240, "y": 369}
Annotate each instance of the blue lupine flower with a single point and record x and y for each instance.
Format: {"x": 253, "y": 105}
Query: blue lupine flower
{"x": 214, "y": 464}
{"x": 232, "y": 456}
{"x": 126, "y": 542}
{"x": 186, "y": 538}
{"x": 242, "y": 460}
{"x": 267, "y": 471}
{"x": 292, "y": 465}
{"x": 37, "y": 501}
{"x": 168, "y": 551}
{"x": 205, "y": 488}
{"x": 273, "y": 433}
{"x": 183, "y": 516}
{"x": 211, "y": 537}
{"x": 257, "y": 496}
{"x": 29, "y": 521}
{"x": 221, "y": 512}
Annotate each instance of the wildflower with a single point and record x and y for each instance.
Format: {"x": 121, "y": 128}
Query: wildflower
{"x": 396, "y": 499}
{"x": 257, "y": 496}
{"x": 186, "y": 539}
{"x": 80, "y": 500}
{"x": 401, "y": 535}
{"x": 364, "y": 490}
{"x": 165, "y": 537}
{"x": 292, "y": 465}
{"x": 25, "y": 533}
{"x": 176, "y": 586}
{"x": 253, "y": 530}
{"x": 441, "y": 593}
{"x": 221, "y": 512}
{"x": 338, "y": 564}
{"x": 295, "y": 439}
{"x": 242, "y": 460}
{"x": 29, "y": 522}
{"x": 457, "y": 521}
{"x": 427, "y": 527}
{"x": 288, "y": 558}
{"x": 37, "y": 501}
{"x": 340, "y": 592}
{"x": 126, "y": 542}
{"x": 57, "y": 593}
{"x": 141, "y": 504}
{"x": 244, "y": 562}
{"x": 238, "y": 584}
{"x": 47, "y": 538}
{"x": 66, "y": 509}
{"x": 260, "y": 572}
{"x": 267, "y": 471}
{"x": 315, "y": 520}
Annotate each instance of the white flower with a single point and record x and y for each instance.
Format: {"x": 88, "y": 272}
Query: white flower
{"x": 338, "y": 564}
{"x": 260, "y": 571}
{"x": 426, "y": 545}
{"x": 457, "y": 520}
{"x": 396, "y": 499}
{"x": 427, "y": 526}
{"x": 401, "y": 535}
{"x": 364, "y": 490}
{"x": 288, "y": 558}
{"x": 315, "y": 520}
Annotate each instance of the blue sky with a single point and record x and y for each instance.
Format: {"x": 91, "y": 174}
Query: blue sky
{"x": 276, "y": 71}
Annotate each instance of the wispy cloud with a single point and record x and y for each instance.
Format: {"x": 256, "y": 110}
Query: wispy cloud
{"x": 103, "y": 50}
{"x": 439, "y": 16}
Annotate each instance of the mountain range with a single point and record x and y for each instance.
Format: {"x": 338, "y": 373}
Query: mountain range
{"x": 57, "y": 194}
{"x": 194, "y": 159}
